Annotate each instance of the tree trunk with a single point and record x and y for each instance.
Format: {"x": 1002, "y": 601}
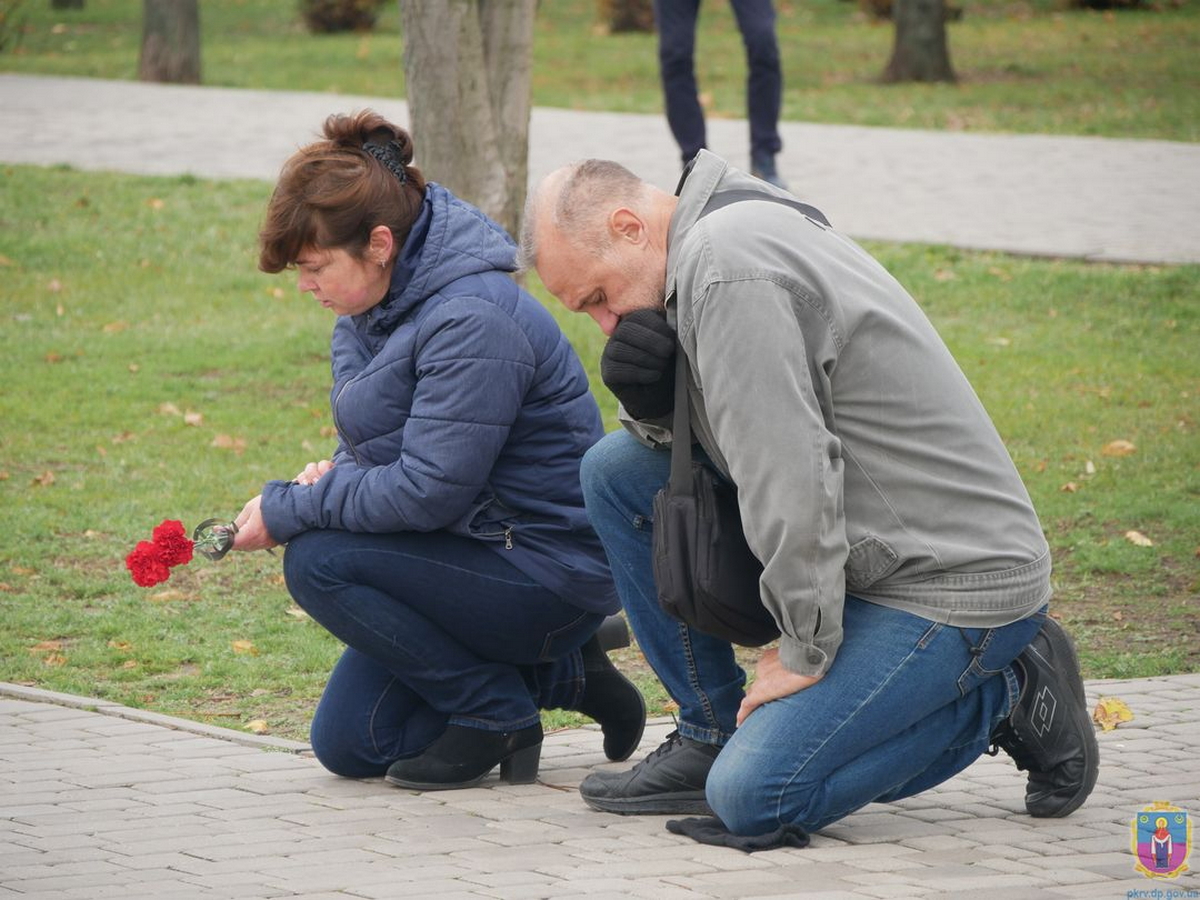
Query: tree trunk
{"x": 921, "y": 51}
{"x": 170, "y": 41}
{"x": 468, "y": 66}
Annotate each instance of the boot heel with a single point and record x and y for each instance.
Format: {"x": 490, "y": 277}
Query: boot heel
{"x": 522, "y": 766}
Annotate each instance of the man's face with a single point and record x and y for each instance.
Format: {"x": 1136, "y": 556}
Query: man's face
{"x": 626, "y": 277}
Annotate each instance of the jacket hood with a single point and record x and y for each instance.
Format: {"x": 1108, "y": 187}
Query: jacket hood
{"x": 449, "y": 240}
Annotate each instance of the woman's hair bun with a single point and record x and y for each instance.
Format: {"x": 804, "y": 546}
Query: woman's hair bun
{"x": 368, "y": 127}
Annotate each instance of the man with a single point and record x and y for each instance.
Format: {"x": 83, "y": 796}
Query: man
{"x": 676, "y": 21}
{"x": 903, "y": 560}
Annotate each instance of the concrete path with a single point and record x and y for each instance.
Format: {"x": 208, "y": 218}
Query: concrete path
{"x": 1112, "y": 200}
{"x": 100, "y": 801}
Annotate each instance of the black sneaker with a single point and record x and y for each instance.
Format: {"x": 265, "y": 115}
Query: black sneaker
{"x": 1049, "y": 732}
{"x": 670, "y": 781}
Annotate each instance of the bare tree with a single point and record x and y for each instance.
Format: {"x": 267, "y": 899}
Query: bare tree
{"x": 468, "y": 66}
{"x": 170, "y": 41}
{"x": 921, "y": 51}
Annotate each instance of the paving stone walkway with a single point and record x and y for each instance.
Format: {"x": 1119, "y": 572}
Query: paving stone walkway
{"x": 97, "y": 800}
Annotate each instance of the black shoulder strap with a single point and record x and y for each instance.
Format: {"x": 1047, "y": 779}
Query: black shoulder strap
{"x": 724, "y": 198}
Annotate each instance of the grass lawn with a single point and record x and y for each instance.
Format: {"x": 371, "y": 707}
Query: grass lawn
{"x": 151, "y": 372}
{"x": 1029, "y": 66}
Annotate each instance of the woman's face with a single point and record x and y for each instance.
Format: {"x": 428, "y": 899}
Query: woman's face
{"x": 340, "y": 282}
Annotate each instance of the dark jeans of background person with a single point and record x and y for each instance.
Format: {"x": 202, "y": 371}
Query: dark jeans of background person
{"x": 439, "y": 630}
{"x": 676, "y": 22}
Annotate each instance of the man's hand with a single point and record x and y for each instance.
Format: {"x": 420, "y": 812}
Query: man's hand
{"x": 252, "y": 531}
{"x": 771, "y": 682}
{"x": 638, "y": 364}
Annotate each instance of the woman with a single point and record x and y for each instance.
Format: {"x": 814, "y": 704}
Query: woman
{"x": 445, "y": 543}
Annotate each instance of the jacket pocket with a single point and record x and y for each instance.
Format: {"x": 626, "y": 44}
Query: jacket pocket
{"x": 868, "y": 561}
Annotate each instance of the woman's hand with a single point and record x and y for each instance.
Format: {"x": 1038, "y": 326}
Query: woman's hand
{"x": 771, "y": 682}
{"x": 313, "y": 471}
{"x": 252, "y": 531}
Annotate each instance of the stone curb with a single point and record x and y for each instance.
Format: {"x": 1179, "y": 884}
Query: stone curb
{"x": 108, "y": 708}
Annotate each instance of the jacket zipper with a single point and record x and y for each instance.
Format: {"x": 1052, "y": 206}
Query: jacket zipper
{"x": 337, "y": 424}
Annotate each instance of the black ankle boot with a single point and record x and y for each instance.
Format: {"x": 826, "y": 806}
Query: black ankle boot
{"x": 612, "y": 700}
{"x": 463, "y": 756}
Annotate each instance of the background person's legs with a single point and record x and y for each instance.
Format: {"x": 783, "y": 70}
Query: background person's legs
{"x": 676, "y": 24}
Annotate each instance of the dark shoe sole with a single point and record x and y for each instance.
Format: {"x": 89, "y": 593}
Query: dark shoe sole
{"x": 654, "y": 805}
{"x": 1062, "y": 648}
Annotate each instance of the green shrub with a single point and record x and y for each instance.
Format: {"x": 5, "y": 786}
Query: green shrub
{"x": 332, "y": 16}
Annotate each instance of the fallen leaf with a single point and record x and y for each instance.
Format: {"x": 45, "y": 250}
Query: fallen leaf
{"x": 167, "y": 595}
{"x": 120, "y": 645}
{"x": 156, "y": 203}
{"x": 53, "y": 357}
{"x": 123, "y": 437}
{"x": 54, "y": 659}
{"x": 1069, "y": 488}
{"x": 115, "y": 327}
{"x": 1118, "y": 448}
{"x": 129, "y": 664}
{"x": 296, "y": 612}
{"x": 193, "y": 418}
{"x": 54, "y": 286}
{"x": 1138, "y": 539}
{"x": 134, "y": 368}
{"x": 1111, "y": 712}
{"x": 258, "y": 726}
{"x": 998, "y": 341}
{"x": 944, "y": 275}
{"x": 46, "y": 646}
{"x": 45, "y": 479}
{"x": 244, "y": 647}
{"x": 1089, "y": 467}
{"x": 169, "y": 409}
{"x": 228, "y": 442}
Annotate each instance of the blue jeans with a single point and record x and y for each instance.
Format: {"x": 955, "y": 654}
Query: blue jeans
{"x": 439, "y": 630}
{"x": 907, "y": 703}
{"x": 676, "y": 23}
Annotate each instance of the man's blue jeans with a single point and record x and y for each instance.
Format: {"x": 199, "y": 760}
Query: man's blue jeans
{"x": 907, "y": 703}
{"x": 439, "y": 630}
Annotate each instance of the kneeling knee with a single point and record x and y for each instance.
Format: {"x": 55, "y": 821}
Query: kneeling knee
{"x": 750, "y": 801}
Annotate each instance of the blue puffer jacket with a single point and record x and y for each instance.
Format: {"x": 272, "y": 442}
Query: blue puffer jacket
{"x": 461, "y": 406}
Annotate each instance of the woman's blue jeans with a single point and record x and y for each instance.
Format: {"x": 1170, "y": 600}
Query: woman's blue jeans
{"x": 907, "y": 703}
{"x": 439, "y": 630}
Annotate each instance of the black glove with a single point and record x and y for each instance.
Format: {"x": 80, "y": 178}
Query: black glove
{"x": 638, "y": 364}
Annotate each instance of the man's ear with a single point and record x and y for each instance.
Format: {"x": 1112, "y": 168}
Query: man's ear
{"x": 381, "y": 243}
{"x": 626, "y": 225}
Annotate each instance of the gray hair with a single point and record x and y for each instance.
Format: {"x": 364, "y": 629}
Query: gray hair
{"x": 586, "y": 194}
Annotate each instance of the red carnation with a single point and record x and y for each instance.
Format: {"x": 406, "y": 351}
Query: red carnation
{"x": 146, "y": 565}
{"x": 174, "y": 546}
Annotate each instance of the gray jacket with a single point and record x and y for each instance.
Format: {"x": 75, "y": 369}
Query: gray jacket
{"x": 864, "y": 461}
